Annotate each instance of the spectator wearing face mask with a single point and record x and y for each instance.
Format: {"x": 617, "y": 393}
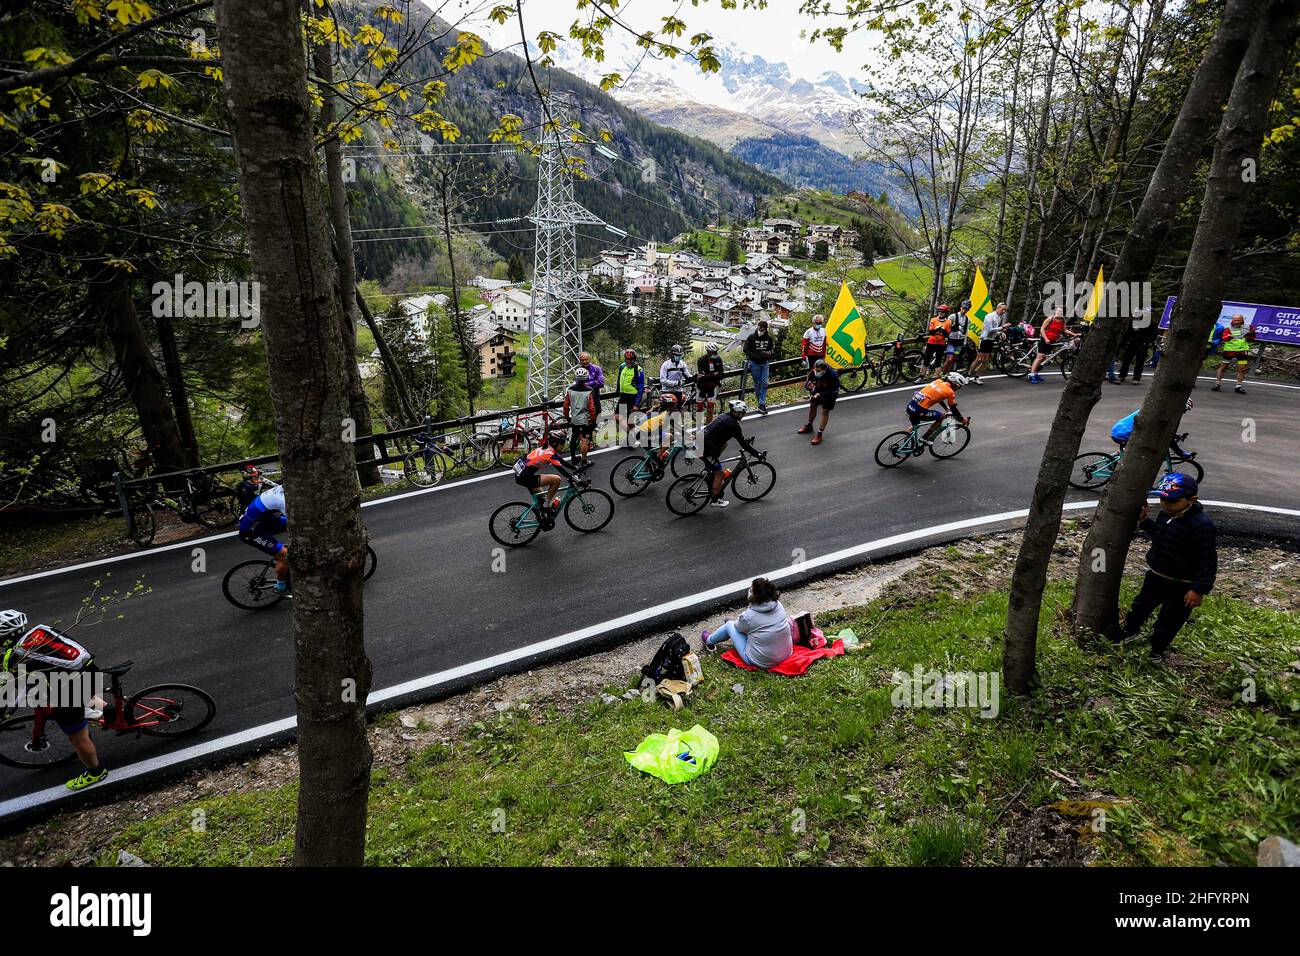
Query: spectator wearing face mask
{"x": 824, "y": 387}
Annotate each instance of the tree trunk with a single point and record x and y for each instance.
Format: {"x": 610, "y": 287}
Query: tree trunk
{"x": 265, "y": 71}
{"x": 140, "y": 375}
{"x": 391, "y": 368}
{"x": 1205, "y": 277}
{"x": 1031, "y": 177}
{"x": 1169, "y": 186}
{"x": 171, "y": 356}
{"x": 323, "y": 64}
{"x": 1006, "y": 168}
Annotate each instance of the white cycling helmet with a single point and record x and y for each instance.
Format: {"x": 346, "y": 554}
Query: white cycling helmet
{"x": 580, "y": 374}
{"x": 12, "y": 624}
{"x": 956, "y": 378}
{"x": 737, "y": 407}
{"x": 1188, "y": 407}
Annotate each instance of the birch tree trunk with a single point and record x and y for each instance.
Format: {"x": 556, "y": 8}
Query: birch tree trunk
{"x": 265, "y": 68}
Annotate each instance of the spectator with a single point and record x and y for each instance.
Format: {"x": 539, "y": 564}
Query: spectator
{"x": 1236, "y": 339}
{"x": 595, "y": 377}
{"x": 1182, "y": 562}
{"x": 1053, "y": 333}
{"x": 249, "y": 487}
{"x": 761, "y": 635}
{"x": 956, "y": 338}
{"x": 759, "y": 349}
{"x": 940, "y": 324}
{"x": 708, "y": 378}
{"x": 813, "y": 346}
{"x": 824, "y": 385}
{"x": 1141, "y": 339}
{"x": 580, "y": 410}
{"x": 989, "y": 335}
{"x": 629, "y": 386}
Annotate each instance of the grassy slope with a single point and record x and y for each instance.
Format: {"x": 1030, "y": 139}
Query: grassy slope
{"x": 1190, "y": 775}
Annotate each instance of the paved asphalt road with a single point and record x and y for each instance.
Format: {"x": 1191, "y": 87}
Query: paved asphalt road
{"x": 436, "y": 605}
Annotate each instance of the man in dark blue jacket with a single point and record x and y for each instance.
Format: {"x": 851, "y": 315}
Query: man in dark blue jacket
{"x": 1182, "y": 562}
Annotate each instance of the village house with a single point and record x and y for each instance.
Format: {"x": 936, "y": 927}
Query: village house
{"x": 511, "y": 310}
{"x": 496, "y": 348}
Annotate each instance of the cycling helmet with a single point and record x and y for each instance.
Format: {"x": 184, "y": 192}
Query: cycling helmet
{"x": 1176, "y": 485}
{"x": 737, "y": 407}
{"x": 629, "y": 355}
{"x": 712, "y": 348}
{"x": 556, "y": 439}
{"x": 668, "y": 400}
{"x": 580, "y": 374}
{"x": 12, "y": 625}
{"x": 1188, "y": 406}
{"x": 945, "y": 308}
{"x": 677, "y": 351}
{"x": 251, "y": 471}
{"x": 956, "y": 378}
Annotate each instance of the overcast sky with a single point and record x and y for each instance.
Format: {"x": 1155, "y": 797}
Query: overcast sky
{"x": 772, "y": 33}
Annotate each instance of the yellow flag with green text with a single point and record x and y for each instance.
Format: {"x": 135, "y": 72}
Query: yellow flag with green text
{"x": 846, "y": 333}
{"x": 980, "y": 306}
{"x": 1094, "y": 300}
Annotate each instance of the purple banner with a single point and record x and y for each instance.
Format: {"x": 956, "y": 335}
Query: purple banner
{"x": 1273, "y": 323}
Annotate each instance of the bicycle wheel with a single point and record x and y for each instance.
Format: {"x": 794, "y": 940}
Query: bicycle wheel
{"x": 893, "y": 449}
{"x": 251, "y": 585}
{"x": 950, "y": 442}
{"x": 18, "y": 749}
{"x": 589, "y": 510}
{"x": 170, "y": 710}
{"x": 630, "y": 476}
{"x": 480, "y": 455}
{"x": 912, "y": 366}
{"x": 1067, "y": 366}
{"x": 753, "y": 481}
{"x": 852, "y": 379}
{"x": 682, "y": 464}
{"x": 142, "y": 523}
{"x": 372, "y": 562}
{"x": 514, "y": 524}
{"x": 688, "y": 494}
{"x": 1015, "y": 360}
{"x": 1092, "y": 470}
{"x": 216, "y": 509}
{"x": 887, "y": 372}
{"x": 1183, "y": 465}
{"x": 426, "y": 468}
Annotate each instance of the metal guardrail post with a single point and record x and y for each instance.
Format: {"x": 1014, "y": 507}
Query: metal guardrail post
{"x": 123, "y": 504}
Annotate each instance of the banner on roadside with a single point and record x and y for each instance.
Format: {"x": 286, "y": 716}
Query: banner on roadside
{"x": 980, "y": 306}
{"x": 1273, "y": 323}
{"x": 846, "y": 333}
{"x": 1095, "y": 300}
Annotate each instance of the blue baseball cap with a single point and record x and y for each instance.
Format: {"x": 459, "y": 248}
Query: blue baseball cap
{"x": 1175, "y": 486}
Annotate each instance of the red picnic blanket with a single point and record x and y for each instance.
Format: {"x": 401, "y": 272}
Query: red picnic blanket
{"x": 799, "y": 661}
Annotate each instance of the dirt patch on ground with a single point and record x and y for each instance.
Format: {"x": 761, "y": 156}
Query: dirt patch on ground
{"x": 1261, "y": 572}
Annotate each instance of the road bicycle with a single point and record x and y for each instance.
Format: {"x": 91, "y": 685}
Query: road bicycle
{"x": 635, "y": 473}
{"x": 902, "y": 364}
{"x": 654, "y": 391}
{"x": 1093, "y": 469}
{"x": 586, "y": 509}
{"x": 201, "y": 501}
{"x": 435, "y": 457}
{"x": 948, "y": 442}
{"x": 750, "y": 480}
{"x": 517, "y": 435}
{"x": 32, "y": 741}
{"x": 251, "y": 584}
{"x": 1015, "y": 359}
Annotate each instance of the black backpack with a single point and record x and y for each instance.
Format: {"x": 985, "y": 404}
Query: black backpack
{"x": 667, "y": 662}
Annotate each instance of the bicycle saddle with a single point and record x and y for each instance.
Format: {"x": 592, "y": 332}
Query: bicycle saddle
{"x": 118, "y": 670}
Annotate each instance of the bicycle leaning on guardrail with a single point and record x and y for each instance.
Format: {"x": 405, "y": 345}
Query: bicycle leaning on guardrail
{"x": 435, "y": 457}
{"x": 202, "y": 500}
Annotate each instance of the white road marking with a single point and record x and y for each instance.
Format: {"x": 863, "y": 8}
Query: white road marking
{"x": 53, "y": 795}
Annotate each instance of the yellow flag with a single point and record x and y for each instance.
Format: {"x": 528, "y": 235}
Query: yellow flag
{"x": 1094, "y": 300}
{"x": 846, "y": 333}
{"x": 980, "y": 306}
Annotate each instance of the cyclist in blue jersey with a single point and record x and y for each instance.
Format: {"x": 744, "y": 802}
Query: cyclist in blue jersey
{"x": 265, "y": 518}
{"x": 1122, "y": 430}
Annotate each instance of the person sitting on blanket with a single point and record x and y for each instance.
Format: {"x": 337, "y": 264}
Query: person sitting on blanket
{"x": 761, "y": 635}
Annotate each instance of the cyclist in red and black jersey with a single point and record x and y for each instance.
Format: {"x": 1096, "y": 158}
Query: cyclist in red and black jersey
{"x": 528, "y": 470}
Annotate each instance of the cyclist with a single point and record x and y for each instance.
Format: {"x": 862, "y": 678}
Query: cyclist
{"x": 581, "y": 409}
{"x": 262, "y": 520}
{"x": 717, "y": 434}
{"x": 249, "y": 487}
{"x": 824, "y": 385}
{"x": 708, "y": 377}
{"x": 937, "y": 341}
{"x": 956, "y": 338}
{"x": 813, "y": 346}
{"x": 1122, "y": 430}
{"x": 528, "y": 472}
{"x": 1053, "y": 334}
{"x": 629, "y": 383}
{"x": 941, "y": 392}
{"x": 674, "y": 374}
{"x": 990, "y": 335}
{"x": 42, "y": 648}
{"x": 1236, "y": 340}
